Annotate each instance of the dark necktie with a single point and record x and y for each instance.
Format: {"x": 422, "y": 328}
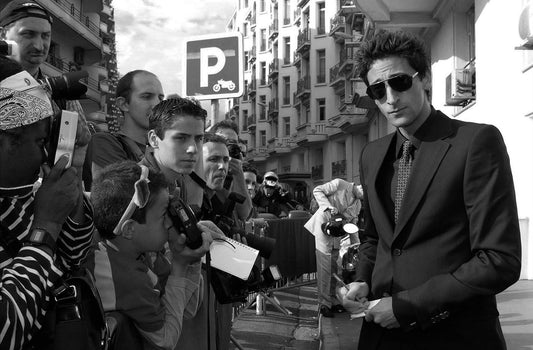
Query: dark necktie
{"x": 404, "y": 169}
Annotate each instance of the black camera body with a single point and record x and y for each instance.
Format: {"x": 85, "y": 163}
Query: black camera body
{"x": 67, "y": 86}
{"x": 185, "y": 221}
{"x": 234, "y": 149}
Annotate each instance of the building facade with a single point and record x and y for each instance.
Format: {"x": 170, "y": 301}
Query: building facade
{"x": 83, "y": 39}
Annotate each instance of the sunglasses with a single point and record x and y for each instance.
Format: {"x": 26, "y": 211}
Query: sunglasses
{"x": 139, "y": 200}
{"x": 400, "y": 83}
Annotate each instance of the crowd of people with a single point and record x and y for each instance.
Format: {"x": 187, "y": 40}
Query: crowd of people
{"x": 440, "y": 238}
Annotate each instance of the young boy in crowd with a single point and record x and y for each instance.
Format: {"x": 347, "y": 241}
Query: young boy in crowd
{"x": 155, "y": 291}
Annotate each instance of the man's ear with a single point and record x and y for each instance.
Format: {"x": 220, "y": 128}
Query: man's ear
{"x": 122, "y": 104}
{"x": 153, "y": 139}
{"x": 128, "y": 229}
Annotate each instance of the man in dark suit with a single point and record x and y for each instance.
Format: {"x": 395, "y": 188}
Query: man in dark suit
{"x": 441, "y": 236}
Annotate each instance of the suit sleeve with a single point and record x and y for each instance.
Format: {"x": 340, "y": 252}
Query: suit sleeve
{"x": 369, "y": 237}
{"x": 494, "y": 234}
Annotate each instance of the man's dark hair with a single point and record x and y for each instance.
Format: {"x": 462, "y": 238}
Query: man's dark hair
{"x": 212, "y": 137}
{"x": 112, "y": 190}
{"x": 246, "y": 167}
{"x": 124, "y": 85}
{"x": 225, "y": 124}
{"x": 386, "y": 44}
{"x": 164, "y": 114}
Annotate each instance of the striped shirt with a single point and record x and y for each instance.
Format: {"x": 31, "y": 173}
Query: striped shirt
{"x": 27, "y": 279}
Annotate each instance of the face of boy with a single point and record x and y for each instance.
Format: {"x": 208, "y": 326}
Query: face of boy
{"x": 152, "y": 235}
{"x": 178, "y": 150}
{"x": 251, "y": 183}
{"x": 216, "y": 162}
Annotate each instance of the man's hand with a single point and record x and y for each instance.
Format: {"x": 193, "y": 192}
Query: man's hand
{"x": 333, "y": 210}
{"x": 383, "y": 314}
{"x": 235, "y": 168}
{"x": 355, "y": 299}
{"x": 56, "y": 197}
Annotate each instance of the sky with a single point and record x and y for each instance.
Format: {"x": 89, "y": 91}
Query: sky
{"x": 150, "y": 34}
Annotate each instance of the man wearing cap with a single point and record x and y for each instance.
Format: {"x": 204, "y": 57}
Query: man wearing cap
{"x": 45, "y": 226}
{"x": 270, "y": 198}
{"x": 30, "y": 25}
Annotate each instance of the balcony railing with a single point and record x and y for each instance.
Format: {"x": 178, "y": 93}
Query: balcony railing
{"x": 252, "y": 87}
{"x": 273, "y": 29}
{"x": 79, "y": 16}
{"x": 252, "y": 54}
{"x": 59, "y": 63}
{"x": 338, "y": 23}
{"x": 304, "y": 40}
{"x": 273, "y": 68}
{"x": 273, "y": 107}
{"x": 303, "y": 86}
{"x": 338, "y": 168}
{"x": 347, "y": 57}
{"x": 251, "y": 121}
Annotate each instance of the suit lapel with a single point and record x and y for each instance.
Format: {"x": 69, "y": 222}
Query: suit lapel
{"x": 428, "y": 158}
{"x": 376, "y": 203}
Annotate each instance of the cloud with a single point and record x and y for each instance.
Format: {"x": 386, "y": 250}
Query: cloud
{"x": 150, "y": 34}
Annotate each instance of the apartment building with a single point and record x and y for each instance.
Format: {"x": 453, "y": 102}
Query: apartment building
{"x": 298, "y": 113}
{"x": 83, "y": 38}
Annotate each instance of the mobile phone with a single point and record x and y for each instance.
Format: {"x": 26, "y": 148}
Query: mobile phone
{"x": 63, "y": 137}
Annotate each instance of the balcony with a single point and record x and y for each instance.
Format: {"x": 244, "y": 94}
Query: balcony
{"x": 297, "y": 59}
{"x": 273, "y": 68}
{"x": 351, "y": 120}
{"x": 252, "y": 54}
{"x": 260, "y": 154}
{"x": 336, "y": 79}
{"x": 77, "y": 20}
{"x": 252, "y": 122}
{"x": 309, "y": 133}
{"x": 302, "y": 3}
{"x": 61, "y": 65}
{"x": 297, "y": 15}
{"x": 252, "y": 87}
{"x": 273, "y": 29}
{"x": 338, "y": 29}
{"x": 338, "y": 168}
{"x": 347, "y": 58}
{"x": 280, "y": 145}
{"x": 304, "y": 42}
{"x": 107, "y": 10}
{"x": 253, "y": 20}
{"x": 317, "y": 172}
{"x": 303, "y": 87}
{"x": 295, "y": 100}
{"x": 273, "y": 109}
{"x": 348, "y": 7}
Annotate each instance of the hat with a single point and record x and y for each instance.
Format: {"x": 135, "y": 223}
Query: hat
{"x": 18, "y": 9}
{"x": 23, "y": 101}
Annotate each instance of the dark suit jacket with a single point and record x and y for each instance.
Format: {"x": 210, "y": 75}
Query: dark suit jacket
{"x": 456, "y": 243}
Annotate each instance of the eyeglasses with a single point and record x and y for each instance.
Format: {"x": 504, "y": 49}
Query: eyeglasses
{"x": 139, "y": 199}
{"x": 400, "y": 83}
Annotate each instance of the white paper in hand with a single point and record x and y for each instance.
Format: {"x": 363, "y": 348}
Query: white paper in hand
{"x": 233, "y": 257}
{"x": 371, "y": 304}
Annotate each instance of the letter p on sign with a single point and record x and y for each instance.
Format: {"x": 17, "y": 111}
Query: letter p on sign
{"x": 214, "y": 66}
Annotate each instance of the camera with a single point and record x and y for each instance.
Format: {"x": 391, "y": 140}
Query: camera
{"x": 63, "y": 137}
{"x": 234, "y": 149}
{"x": 7, "y": 47}
{"x": 184, "y": 219}
{"x": 338, "y": 227}
{"x": 67, "y": 86}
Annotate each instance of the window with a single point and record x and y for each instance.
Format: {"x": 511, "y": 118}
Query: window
{"x": 245, "y": 94}
{"x": 286, "y": 12}
{"x": 262, "y": 107}
{"x": 263, "y": 138}
{"x": 286, "y": 126}
{"x": 244, "y": 119}
{"x": 321, "y": 106}
{"x": 246, "y": 60}
{"x": 263, "y": 40}
{"x": 287, "y": 50}
{"x": 286, "y": 90}
{"x": 321, "y": 25}
{"x": 245, "y": 28}
{"x": 321, "y": 66}
{"x": 261, "y": 5}
{"x": 245, "y": 3}
{"x": 263, "y": 73}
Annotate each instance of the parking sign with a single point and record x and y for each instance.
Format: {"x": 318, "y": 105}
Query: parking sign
{"x": 214, "y": 66}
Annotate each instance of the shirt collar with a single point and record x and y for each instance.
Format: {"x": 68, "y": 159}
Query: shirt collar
{"x": 417, "y": 136}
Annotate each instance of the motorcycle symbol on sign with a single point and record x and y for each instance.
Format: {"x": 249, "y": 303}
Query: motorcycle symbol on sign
{"x": 230, "y": 85}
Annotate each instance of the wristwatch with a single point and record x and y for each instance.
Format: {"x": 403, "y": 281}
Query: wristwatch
{"x": 39, "y": 237}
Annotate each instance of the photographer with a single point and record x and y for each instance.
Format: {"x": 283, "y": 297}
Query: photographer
{"x": 270, "y": 198}
{"x": 46, "y": 226}
{"x": 235, "y": 181}
{"x": 30, "y": 25}
{"x": 335, "y": 197}
{"x": 155, "y": 291}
